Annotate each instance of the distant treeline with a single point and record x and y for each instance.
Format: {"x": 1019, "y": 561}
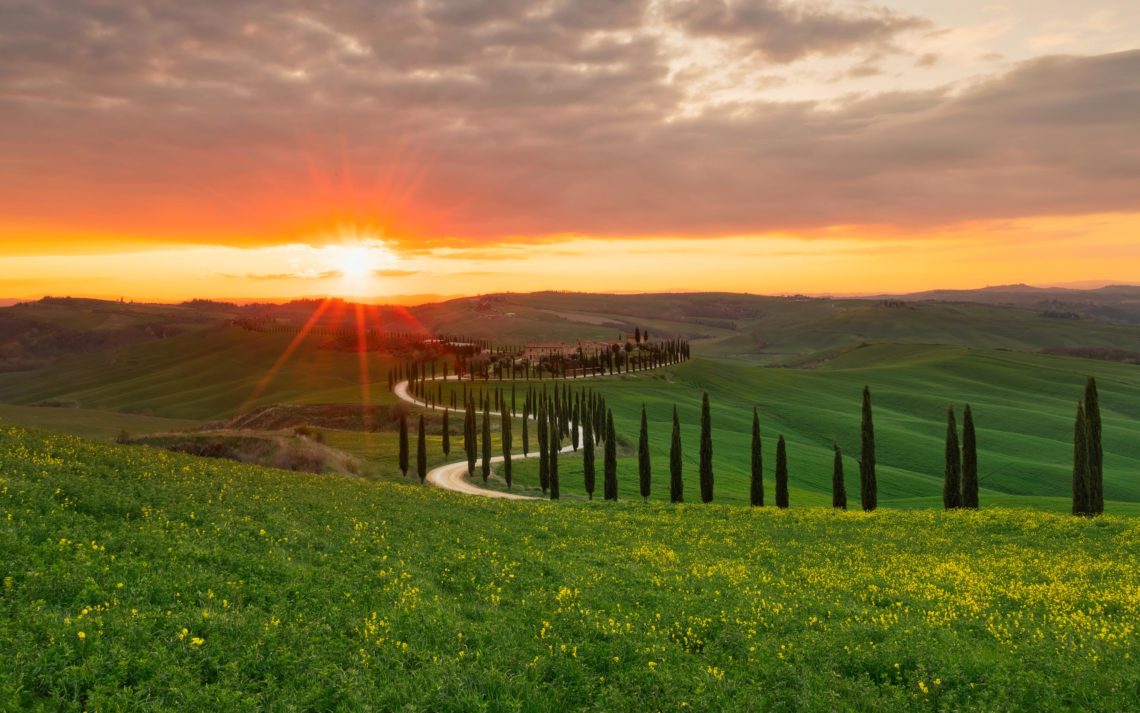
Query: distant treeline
{"x": 1102, "y": 353}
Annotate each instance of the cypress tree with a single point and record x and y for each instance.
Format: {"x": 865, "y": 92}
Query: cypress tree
{"x": 868, "y": 487}
{"x": 781, "y": 473}
{"x": 421, "y": 452}
{"x": 507, "y": 426}
{"x": 446, "y": 433}
{"x": 554, "y": 437}
{"x": 486, "y": 440}
{"x": 676, "y": 484}
{"x": 643, "y": 470}
{"x": 1081, "y": 463}
{"x": 757, "y": 493}
{"x": 609, "y": 484}
{"x": 543, "y": 455}
{"x": 588, "y": 474}
{"x": 706, "y": 451}
{"x": 838, "y": 487}
{"x": 526, "y": 429}
{"x": 952, "y": 474}
{"x": 469, "y": 444}
{"x": 969, "y": 461}
{"x": 1096, "y": 449}
{"x": 404, "y": 444}
{"x": 575, "y": 425}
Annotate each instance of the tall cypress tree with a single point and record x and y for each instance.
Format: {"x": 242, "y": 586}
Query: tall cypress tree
{"x": 838, "y": 487}
{"x": 555, "y": 439}
{"x": 486, "y": 440}
{"x": 1081, "y": 502}
{"x": 868, "y": 487}
{"x": 706, "y": 451}
{"x": 421, "y": 452}
{"x": 643, "y": 470}
{"x": 526, "y": 428}
{"x": 952, "y": 473}
{"x": 543, "y": 455}
{"x": 609, "y": 483}
{"x": 404, "y": 444}
{"x": 588, "y": 475}
{"x": 507, "y": 439}
{"x": 676, "y": 484}
{"x": 469, "y": 444}
{"x": 575, "y": 424}
{"x": 446, "y": 432}
{"x": 781, "y": 473}
{"x": 969, "y": 461}
{"x": 1096, "y": 449}
{"x": 757, "y": 491}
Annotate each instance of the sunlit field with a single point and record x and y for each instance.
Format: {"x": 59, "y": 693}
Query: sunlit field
{"x": 134, "y": 578}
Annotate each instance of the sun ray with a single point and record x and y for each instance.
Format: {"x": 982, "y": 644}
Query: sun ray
{"x": 286, "y": 355}
{"x": 362, "y": 359}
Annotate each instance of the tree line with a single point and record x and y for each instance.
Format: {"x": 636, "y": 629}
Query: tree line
{"x": 582, "y": 417}
{"x": 506, "y": 364}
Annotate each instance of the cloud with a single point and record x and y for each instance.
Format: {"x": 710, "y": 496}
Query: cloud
{"x": 392, "y": 273}
{"x": 785, "y": 32}
{"x": 307, "y": 275}
{"x": 464, "y": 124}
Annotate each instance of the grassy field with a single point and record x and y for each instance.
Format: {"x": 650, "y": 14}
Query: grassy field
{"x": 137, "y": 579}
{"x": 209, "y": 375}
{"x": 89, "y": 423}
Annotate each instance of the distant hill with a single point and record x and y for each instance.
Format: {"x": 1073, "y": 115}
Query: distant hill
{"x": 35, "y": 333}
{"x": 1119, "y": 303}
{"x": 769, "y": 330}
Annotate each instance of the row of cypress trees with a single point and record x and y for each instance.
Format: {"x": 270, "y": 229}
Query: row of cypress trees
{"x": 559, "y": 414}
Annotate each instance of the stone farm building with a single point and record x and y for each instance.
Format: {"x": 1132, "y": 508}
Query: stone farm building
{"x": 537, "y": 350}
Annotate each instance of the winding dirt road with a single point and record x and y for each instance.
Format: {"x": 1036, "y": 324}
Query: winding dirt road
{"x": 453, "y": 476}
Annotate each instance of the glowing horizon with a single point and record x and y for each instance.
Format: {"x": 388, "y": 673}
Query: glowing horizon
{"x": 411, "y": 148}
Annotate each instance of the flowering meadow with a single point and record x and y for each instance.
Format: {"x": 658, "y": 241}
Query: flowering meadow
{"x": 134, "y": 578}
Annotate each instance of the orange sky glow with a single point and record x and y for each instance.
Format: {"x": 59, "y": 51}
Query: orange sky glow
{"x": 373, "y": 151}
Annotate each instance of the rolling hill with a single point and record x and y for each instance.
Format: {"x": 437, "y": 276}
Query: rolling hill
{"x": 917, "y": 358}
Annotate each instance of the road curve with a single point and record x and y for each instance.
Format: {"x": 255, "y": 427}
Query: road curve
{"x": 453, "y": 476}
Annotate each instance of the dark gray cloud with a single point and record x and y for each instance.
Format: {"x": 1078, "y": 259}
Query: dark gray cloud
{"x": 479, "y": 120}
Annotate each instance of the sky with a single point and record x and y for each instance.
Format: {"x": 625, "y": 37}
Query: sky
{"x": 276, "y": 148}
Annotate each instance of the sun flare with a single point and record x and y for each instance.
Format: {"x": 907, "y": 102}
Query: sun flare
{"x": 356, "y": 264}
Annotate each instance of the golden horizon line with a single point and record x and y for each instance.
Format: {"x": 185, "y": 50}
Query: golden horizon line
{"x": 431, "y": 298}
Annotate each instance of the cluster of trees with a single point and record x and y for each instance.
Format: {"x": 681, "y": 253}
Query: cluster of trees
{"x": 960, "y": 478}
{"x": 509, "y": 363}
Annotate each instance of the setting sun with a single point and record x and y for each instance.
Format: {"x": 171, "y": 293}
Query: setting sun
{"x": 356, "y": 263}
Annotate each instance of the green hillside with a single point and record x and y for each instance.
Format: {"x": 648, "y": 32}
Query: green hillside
{"x": 1023, "y": 401}
{"x": 1023, "y": 404}
{"x": 777, "y": 329}
{"x": 1023, "y": 407}
{"x": 207, "y": 375}
{"x": 136, "y": 579}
